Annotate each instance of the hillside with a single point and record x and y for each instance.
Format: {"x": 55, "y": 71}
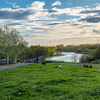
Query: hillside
{"x": 45, "y": 82}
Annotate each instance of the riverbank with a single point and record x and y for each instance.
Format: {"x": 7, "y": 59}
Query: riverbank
{"x": 66, "y": 57}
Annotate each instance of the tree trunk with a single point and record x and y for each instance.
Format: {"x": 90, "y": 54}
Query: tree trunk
{"x": 7, "y": 57}
{"x": 15, "y": 58}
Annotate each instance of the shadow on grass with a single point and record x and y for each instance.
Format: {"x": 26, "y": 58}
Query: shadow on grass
{"x": 82, "y": 75}
{"x": 24, "y": 90}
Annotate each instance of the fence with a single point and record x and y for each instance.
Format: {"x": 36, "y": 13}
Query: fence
{"x": 3, "y": 61}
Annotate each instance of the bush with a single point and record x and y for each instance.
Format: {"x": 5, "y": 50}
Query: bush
{"x": 52, "y": 61}
{"x": 86, "y": 58}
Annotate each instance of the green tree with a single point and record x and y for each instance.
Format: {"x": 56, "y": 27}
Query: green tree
{"x": 10, "y": 40}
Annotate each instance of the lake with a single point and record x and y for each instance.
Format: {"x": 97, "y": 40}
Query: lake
{"x": 67, "y": 57}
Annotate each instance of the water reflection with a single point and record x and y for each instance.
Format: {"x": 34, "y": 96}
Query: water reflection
{"x": 67, "y": 57}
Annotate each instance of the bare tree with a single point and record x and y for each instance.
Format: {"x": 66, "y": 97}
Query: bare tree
{"x": 74, "y": 57}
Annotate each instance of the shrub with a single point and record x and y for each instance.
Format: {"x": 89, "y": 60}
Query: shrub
{"x": 52, "y": 61}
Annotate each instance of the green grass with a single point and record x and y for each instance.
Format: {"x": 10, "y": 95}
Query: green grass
{"x": 45, "y": 82}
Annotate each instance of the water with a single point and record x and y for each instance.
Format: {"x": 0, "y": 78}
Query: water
{"x": 67, "y": 57}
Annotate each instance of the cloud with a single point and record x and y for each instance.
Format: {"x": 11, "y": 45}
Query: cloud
{"x": 86, "y": 26}
{"x": 87, "y": 6}
{"x": 96, "y": 31}
{"x": 90, "y": 11}
{"x": 36, "y": 5}
{"x": 41, "y": 29}
{"x": 91, "y": 16}
{"x": 16, "y": 15}
{"x": 30, "y": 35}
{"x": 49, "y": 10}
{"x": 75, "y": 24}
{"x": 13, "y": 4}
{"x": 56, "y": 3}
{"x": 74, "y": 11}
{"x": 91, "y": 19}
{"x": 12, "y": 24}
{"x": 34, "y": 11}
{"x": 54, "y": 23}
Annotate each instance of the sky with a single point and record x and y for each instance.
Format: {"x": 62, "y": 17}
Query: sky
{"x": 51, "y": 22}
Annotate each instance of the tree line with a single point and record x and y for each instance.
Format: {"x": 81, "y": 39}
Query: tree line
{"x": 78, "y": 48}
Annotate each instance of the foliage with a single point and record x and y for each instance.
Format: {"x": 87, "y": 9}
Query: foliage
{"x": 93, "y": 57}
{"x": 43, "y": 50}
{"x": 86, "y": 58}
{"x": 52, "y": 61}
{"x": 45, "y": 82}
{"x": 97, "y": 54}
{"x": 96, "y": 61}
{"x": 12, "y": 43}
{"x": 85, "y": 48}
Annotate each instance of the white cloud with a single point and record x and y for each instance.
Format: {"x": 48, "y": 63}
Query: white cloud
{"x": 56, "y": 3}
{"x": 13, "y": 4}
{"x": 74, "y": 11}
{"x": 36, "y": 5}
{"x": 87, "y": 6}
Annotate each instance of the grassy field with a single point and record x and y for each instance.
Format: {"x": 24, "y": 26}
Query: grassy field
{"x": 45, "y": 82}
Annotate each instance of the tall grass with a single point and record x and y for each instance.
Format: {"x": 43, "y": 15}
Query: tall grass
{"x": 45, "y": 82}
